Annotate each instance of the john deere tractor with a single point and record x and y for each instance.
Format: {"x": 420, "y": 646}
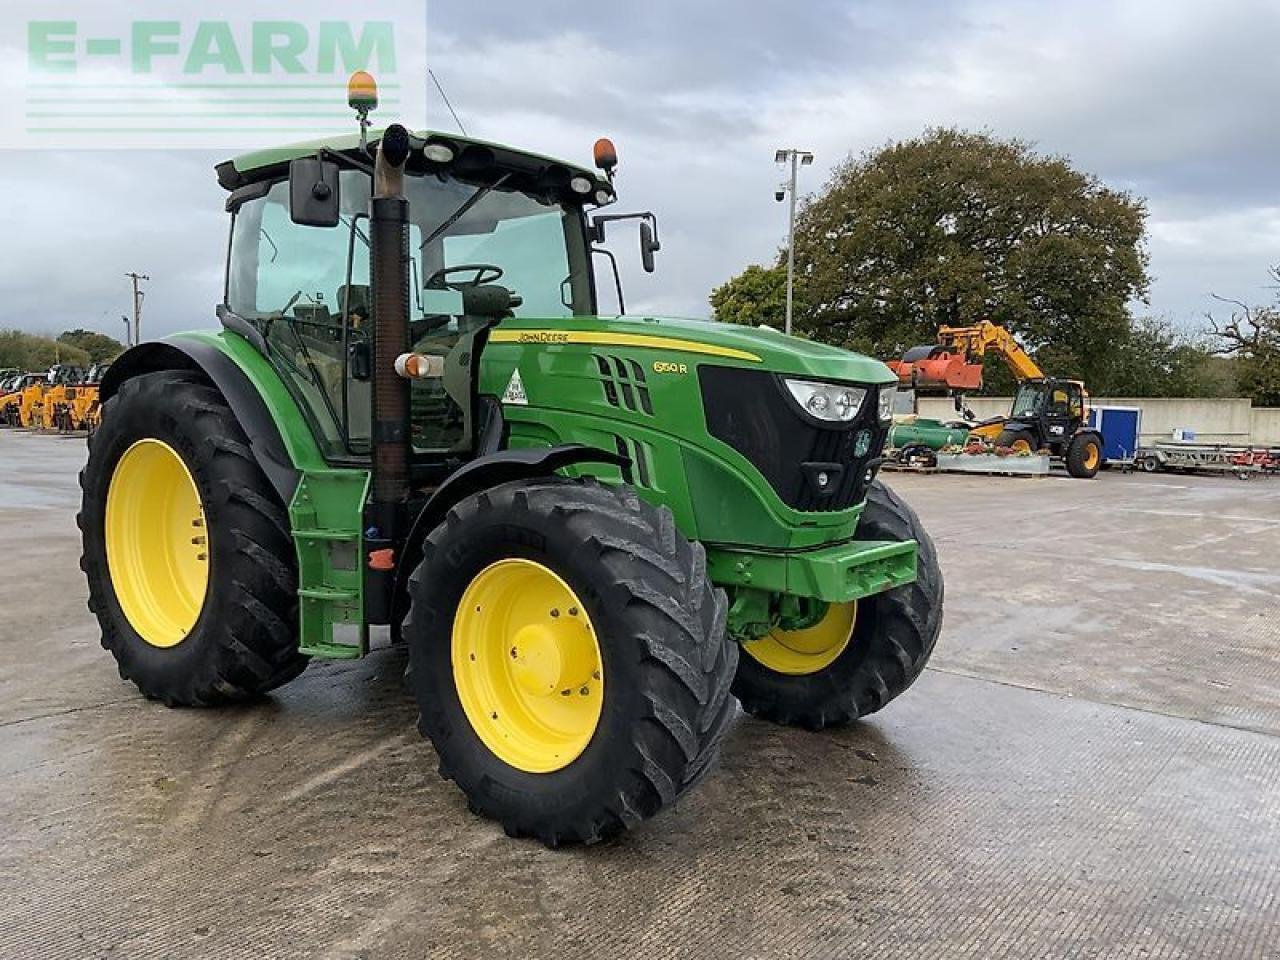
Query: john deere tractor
{"x": 414, "y": 416}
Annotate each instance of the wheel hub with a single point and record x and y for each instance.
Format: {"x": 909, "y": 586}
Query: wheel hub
{"x": 800, "y": 652}
{"x": 157, "y": 543}
{"x": 527, "y": 666}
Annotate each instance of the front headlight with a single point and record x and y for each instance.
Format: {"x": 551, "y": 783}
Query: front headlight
{"x": 833, "y": 402}
{"x": 887, "y": 397}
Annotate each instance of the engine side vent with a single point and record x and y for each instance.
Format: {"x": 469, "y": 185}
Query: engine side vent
{"x": 638, "y": 473}
{"x": 624, "y": 384}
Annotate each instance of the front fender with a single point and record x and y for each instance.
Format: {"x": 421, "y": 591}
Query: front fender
{"x": 483, "y": 473}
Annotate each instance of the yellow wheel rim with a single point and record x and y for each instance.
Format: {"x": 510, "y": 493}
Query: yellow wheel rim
{"x": 527, "y": 666}
{"x": 1020, "y": 446}
{"x": 800, "y": 652}
{"x": 1091, "y": 456}
{"x": 157, "y": 550}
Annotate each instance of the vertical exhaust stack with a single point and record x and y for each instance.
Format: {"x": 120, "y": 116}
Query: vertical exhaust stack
{"x": 389, "y": 275}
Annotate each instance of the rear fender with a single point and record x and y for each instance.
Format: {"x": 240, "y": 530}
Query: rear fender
{"x": 181, "y": 353}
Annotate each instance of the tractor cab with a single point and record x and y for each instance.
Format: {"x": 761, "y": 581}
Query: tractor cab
{"x": 490, "y": 234}
{"x": 1050, "y": 410}
{"x": 64, "y": 375}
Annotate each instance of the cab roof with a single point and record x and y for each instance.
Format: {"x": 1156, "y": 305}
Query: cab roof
{"x": 470, "y": 155}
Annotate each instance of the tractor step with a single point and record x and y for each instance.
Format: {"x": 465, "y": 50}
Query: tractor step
{"x": 329, "y": 548}
{"x": 328, "y": 595}
{"x": 327, "y": 650}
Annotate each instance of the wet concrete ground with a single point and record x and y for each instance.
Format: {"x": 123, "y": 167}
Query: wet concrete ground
{"x": 1090, "y": 768}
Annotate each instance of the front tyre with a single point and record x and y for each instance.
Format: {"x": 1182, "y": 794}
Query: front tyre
{"x": 187, "y": 548}
{"x": 1084, "y": 456}
{"x": 860, "y": 655}
{"x": 568, "y": 656}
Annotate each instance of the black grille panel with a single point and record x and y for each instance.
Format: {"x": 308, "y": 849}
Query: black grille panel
{"x": 624, "y": 384}
{"x": 752, "y": 412}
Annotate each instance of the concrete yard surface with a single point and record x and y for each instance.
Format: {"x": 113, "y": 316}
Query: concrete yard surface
{"x": 1089, "y": 768}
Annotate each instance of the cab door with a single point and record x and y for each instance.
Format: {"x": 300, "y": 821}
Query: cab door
{"x": 1062, "y": 412}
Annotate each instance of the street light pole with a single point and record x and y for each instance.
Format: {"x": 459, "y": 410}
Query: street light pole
{"x": 797, "y": 158}
{"x": 137, "y": 304}
{"x": 791, "y": 239}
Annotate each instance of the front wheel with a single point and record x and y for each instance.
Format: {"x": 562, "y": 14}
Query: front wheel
{"x": 860, "y": 655}
{"x": 1084, "y": 456}
{"x": 569, "y": 658}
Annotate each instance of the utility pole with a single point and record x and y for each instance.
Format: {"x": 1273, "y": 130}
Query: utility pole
{"x": 137, "y": 305}
{"x": 128, "y": 334}
{"x": 797, "y": 158}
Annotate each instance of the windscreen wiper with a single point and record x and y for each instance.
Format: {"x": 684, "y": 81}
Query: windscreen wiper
{"x": 467, "y": 204}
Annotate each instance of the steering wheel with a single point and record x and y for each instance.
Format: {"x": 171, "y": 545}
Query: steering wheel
{"x": 482, "y": 273}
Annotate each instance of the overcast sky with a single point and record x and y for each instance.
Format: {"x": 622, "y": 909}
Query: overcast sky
{"x": 1170, "y": 100}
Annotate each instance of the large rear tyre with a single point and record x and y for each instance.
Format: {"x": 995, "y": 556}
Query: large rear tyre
{"x": 1084, "y": 456}
{"x": 569, "y": 658}
{"x": 187, "y": 548}
{"x": 1019, "y": 441}
{"x": 861, "y": 655}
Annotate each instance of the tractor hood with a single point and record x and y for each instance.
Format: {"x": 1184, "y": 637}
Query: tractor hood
{"x": 693, "y": 341}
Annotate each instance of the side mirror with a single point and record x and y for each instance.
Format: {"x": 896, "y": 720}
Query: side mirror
{"x": 314, "y": 200}
{"x": 649, "y": 245}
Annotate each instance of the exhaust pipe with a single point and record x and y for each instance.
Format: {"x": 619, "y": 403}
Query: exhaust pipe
{"x": 389, "y": 276}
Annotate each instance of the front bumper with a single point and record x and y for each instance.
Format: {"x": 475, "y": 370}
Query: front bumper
{"x": 835, "y": 574}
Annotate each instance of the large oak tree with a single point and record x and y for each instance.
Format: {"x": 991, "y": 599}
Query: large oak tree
{"x": 954, "y": 226}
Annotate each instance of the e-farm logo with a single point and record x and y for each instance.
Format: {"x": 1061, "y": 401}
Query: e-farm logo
{"x": 249, "y": 74}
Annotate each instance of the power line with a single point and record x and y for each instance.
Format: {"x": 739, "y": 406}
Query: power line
{"x": 432, "y": 74}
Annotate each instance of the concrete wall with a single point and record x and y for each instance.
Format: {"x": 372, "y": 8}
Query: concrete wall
{"x": 1214, "y": 421}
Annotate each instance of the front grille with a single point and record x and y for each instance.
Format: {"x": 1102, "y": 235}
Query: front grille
{"x": 752, "y": 412}
{"x": 624, "y": 384}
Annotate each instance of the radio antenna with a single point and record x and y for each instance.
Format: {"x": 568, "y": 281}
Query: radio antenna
{"x": 445, "y": 96}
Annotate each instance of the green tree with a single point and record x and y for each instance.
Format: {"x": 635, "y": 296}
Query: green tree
{"x": 952, "y": 227}
{"x": 1154, "y": 359}
{"x": 1251, "y": 338}
{"x": 755, "y": 296}
{"x": 98, "y": 346}
{"x": 27, "y": 351}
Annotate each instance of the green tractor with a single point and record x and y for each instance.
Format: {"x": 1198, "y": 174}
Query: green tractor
{"x": 413, "y": 416}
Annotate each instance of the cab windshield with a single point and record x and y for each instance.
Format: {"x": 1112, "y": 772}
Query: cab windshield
{"x": 307, "y": 290}
{"x": 1027, "y": 400}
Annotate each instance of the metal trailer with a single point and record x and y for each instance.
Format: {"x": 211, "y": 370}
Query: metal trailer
{"x": 1242, "y": 460}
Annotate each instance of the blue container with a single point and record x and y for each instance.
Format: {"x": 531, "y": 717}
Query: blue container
{"x": 1121, "y": 429}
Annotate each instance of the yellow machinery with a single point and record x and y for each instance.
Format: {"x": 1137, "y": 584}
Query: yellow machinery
{"x": 1047, "y": 414}
{"x": 53, "y": 405}
{"x": 30, "y": 400}
{"x": 82, "y": 409}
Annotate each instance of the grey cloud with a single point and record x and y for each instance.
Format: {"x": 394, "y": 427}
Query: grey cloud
{"x": 1170, "y": 100}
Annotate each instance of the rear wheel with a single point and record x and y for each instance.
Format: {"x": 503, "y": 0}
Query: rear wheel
{"x": 186, "y": 547}
{"x": 569, "y": 658}
{"x": 1084, "y": 456}
{"x": 860, "y": 655}
{"x": 1019, "y": 441}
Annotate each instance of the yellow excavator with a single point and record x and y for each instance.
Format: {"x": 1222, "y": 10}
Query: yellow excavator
{"x": 1047, "y": 414}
